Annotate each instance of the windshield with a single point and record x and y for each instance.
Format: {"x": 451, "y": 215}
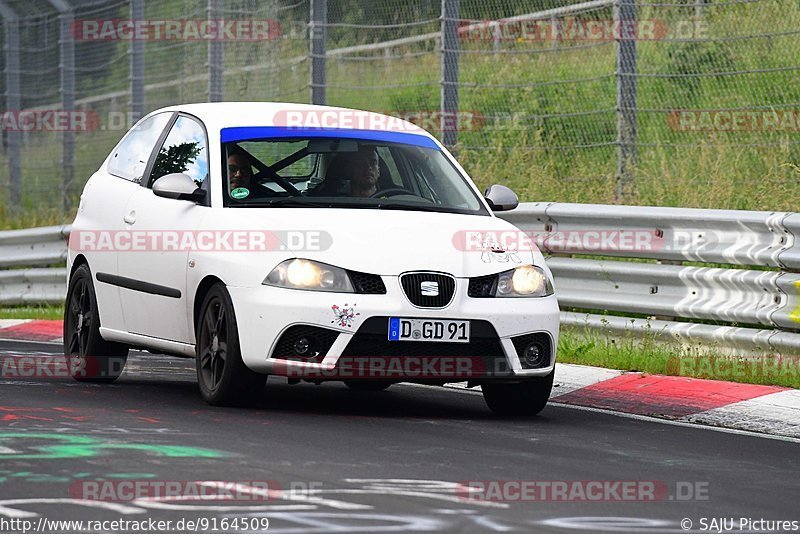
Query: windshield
{"x": 344, "y": 172}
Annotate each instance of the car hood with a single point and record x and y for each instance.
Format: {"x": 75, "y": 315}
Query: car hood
{"x": 390, "y": 242}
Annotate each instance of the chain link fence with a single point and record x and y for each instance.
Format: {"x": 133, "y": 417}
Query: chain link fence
{"x": 678, "y": 102}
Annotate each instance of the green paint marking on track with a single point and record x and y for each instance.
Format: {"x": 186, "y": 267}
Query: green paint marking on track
{"x": 86, "y": 447}
{"x": 29, "y": 476}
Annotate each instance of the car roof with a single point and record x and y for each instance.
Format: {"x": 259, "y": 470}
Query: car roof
{"x": 219, "y": 115}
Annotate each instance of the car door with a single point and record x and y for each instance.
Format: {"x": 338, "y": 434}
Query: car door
{"x": 155, "y": 300}
{"x": 102, "y": 207}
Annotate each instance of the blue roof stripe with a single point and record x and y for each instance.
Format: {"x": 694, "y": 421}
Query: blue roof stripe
{"x": 243, "y": 133}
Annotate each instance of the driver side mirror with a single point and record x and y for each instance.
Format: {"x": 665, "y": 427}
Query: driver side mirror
{"x": 501, "y": 198}
{"x": 178, "y": 186}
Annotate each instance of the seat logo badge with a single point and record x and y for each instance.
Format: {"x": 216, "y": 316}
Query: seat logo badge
{"x": 429, "y": 289}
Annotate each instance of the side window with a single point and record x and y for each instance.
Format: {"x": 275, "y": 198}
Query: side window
{"x": 130, "y": 157}
{"x": 185, "y": 150}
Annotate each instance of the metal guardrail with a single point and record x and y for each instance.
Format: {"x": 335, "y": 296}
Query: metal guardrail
{"x": 646, "y": 274}
{"x": 33, "y": 247}
{"x": 31, "y": 286}
{"x": 752, "y": 291}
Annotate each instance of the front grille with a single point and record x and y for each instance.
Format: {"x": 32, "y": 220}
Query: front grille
{"x": 482, "y": 286}
{"x": 483, "y": 355}
{"x": 412, "y": 287}
{"x": 365, "y": 283}
{"x": 319, "y": 343}
{"x": 544, "y": 343}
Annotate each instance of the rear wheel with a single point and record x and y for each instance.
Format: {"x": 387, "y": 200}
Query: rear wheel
{"x": 222, "y": 376}
{"x": 367, "y": 385}
{"x": 90, "y": 358}
{"x": 523, "y": 398}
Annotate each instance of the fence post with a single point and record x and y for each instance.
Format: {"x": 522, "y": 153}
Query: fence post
{"x": 698, "y": 8}
{"x": 13, "y": 103}
{"x": 137, "y": 66}
{"x": 66, "y": 43}
{"x": 319, "y": 41}
{"x": 625, "y": 22}
{"x": 215, "y": 56}
{"x": 449, "y": 90}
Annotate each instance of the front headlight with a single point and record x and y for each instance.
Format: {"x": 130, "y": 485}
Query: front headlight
{"x": 311, "y": 275}
{"x": 525, "y": 281}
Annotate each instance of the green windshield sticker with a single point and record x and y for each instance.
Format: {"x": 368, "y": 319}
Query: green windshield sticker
{"x": 240, "y": 192}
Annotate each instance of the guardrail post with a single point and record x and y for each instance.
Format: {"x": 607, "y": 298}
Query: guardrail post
{"x": 13, "y": 102}
{"x": 137, "y": 66}
{"x": 66, "y": 43}
{"x": 215, "y": 56}
{"x": 625, "y": 24}
{"x": 449, "y": 91}
{"x": 318, "y": 35}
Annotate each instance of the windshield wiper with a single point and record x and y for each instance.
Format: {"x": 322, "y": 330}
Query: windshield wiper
{"x": 415, "y": 207}
{"x": 282, "y": 201}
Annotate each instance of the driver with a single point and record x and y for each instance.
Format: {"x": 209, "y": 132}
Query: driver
{"x": 360, "y": 168}
{"x": 363, "y": 169}
{"x": 239, "y": 171}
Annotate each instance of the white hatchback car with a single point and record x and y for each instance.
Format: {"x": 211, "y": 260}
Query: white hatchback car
{"x": 309, "y": 242}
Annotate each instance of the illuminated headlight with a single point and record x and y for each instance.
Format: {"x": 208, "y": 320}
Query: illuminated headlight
{"x": 311, "y": 275}
{"x": 525, "y": 281}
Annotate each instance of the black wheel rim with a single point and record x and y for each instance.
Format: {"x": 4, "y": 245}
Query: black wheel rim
{"x": 80, "y": 318}
{"x": 213, "y": 344}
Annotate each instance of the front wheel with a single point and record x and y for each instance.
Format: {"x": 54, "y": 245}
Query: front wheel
{"x": 223, "y": 377}
{"x": 523, "y": 398}
{"x": 89, "y": 357}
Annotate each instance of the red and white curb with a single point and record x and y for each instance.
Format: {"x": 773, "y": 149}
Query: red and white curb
{"x": 31, "y": 330}
{"x": 749, "y": 407}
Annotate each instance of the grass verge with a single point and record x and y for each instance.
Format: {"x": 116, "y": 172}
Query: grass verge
{"x": 647, "y": 355}
{"x": 40, "y": 312}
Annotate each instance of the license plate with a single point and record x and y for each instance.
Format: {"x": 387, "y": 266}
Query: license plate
{"x": 428, "y": 330}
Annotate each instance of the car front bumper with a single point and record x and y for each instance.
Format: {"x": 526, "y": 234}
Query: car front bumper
{"x": 265, "y": 313}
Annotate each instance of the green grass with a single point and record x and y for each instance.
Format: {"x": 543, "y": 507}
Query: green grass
{"x": 651, "y": 356}
{"x": 42, "y": 312}
{"x": 529, "y": 141}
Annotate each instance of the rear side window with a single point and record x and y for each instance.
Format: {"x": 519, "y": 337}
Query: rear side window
{"x": 129, "y": 158}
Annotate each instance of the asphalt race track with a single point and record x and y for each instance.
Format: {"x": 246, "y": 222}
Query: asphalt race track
{"x": 326, "y": 459}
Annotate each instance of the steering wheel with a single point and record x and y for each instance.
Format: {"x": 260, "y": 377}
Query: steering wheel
{"x": 391, "y": 192}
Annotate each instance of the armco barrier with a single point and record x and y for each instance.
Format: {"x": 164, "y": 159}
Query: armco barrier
{"x": 758, "y": 309}
{"x": 751, "y": 292}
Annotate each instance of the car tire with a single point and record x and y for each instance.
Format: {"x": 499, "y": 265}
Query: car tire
{"x": 522, "y": 398}
{"x": 367, "y": 385}
{"x": 222, "y": 376}
{"x": 89, "y": 357}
